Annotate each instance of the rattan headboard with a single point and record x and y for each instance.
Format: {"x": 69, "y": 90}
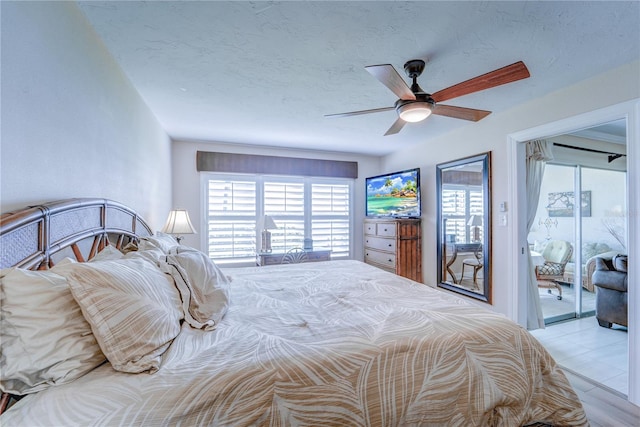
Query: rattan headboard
{"x": 37, "y": 236}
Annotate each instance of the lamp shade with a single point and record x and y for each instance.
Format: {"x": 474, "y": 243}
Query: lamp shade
{"x": 269, "y": 224}
{"x": 178, "y": 223}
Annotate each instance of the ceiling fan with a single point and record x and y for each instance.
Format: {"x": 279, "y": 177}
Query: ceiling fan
{"x": 416, "y": 105}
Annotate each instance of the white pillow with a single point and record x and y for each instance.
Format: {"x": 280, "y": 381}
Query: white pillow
{"x": 151, "y": 253}
{"x": 133, "y": 308}
{"x": 203, "y": 287}
{"x": 160, "y": 240}
{"x": 107, "y": 253}
{"x": 45, "y": 338}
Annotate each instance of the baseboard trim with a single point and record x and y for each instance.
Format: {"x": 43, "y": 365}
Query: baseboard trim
{"x": 595, "y": 383}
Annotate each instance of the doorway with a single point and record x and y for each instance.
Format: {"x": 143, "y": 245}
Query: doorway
{"x": 582, "y": 205}
{"x": 630, "y": 112}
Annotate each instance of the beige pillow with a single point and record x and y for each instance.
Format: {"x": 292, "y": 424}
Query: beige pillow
{"x": 133, "y": 308}
{"x": 44, "y": 337}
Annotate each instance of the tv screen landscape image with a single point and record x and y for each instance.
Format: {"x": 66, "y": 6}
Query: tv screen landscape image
{"x": 394, "y": 194}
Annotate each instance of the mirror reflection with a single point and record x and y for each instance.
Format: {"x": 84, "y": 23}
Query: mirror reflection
{"x": 463, "y": 226}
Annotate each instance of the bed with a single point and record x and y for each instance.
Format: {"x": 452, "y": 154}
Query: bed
{"x": 325, "y": 343}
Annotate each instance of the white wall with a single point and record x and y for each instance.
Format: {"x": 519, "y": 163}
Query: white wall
{"x": 186, "y": 180}
{"x": 490, "y": 134}
{"x": 72, "y": 123}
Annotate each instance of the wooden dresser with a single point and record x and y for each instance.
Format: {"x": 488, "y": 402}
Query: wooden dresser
{"x": 394, "y": 245}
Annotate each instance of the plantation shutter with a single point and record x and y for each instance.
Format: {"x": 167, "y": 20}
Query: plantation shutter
{"x": 459, "y": 203}
{"x": 330, "y": 223}
{"x": 284, "y": 202}
{"x": 316, "y": 208}
{"x": 232, "y": 217}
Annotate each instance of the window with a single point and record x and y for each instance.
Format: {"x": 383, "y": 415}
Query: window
{"x": 460, "y": 205}
{"x": 315, "y": 208}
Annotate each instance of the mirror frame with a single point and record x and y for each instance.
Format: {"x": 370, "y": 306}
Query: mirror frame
{"x": 485, "y": 158}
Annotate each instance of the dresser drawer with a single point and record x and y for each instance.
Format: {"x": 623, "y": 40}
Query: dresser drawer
{"x": 386, "y": 229}
{"x": 380, "y": 243}
{"x": 370, "y": 228}
{"x": 387, "y": 260}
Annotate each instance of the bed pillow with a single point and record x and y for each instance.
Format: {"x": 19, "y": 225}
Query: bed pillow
{"x": 107, "y": 253}
{"x": 160, "y": 240}
{"x": 45, "y": 339}
{"x": 151, "y": 253}
{"x": 203, "y": 287}
{"x": 133, "y": 308}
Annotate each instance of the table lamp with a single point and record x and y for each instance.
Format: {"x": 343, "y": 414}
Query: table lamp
{"x": 178, "y": 223}
{"x": 268, "y": 224}
{"x": 475, "y": 222}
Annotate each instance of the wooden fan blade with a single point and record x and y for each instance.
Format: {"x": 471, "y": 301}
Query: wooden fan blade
{"x": 389, "y": 77}
{"x": 508, "y": 74}
{"x": 356, "y": 113}
{"x": 395, "y": 127}
{"x": 460, "y": 112}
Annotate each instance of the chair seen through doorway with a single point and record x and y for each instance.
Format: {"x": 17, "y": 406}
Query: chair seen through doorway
{"x": 556, "y": 255}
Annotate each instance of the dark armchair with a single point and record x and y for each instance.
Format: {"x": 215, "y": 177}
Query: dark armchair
{"x": 611, "y": 282}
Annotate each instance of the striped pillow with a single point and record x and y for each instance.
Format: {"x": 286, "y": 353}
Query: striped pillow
{"x": 133, "y": 308}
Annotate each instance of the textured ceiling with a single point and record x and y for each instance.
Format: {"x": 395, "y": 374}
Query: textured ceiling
{"x": 267, "y": 72}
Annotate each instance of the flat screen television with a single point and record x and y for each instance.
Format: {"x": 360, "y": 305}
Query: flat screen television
{"x": 395, "y": 195}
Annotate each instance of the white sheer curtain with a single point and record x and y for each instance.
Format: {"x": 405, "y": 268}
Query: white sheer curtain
{"x": 538, "y": 154}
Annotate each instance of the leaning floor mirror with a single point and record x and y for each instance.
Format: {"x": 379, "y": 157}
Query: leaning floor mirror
{"x": 464, "y": 226}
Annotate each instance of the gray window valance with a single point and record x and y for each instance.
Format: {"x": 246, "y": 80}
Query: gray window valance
{"x": 207, "y": 161}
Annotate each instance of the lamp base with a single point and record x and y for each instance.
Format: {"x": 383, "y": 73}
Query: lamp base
{"x": 266, "y": 241}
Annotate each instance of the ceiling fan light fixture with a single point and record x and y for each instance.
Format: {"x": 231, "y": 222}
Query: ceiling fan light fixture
{"x": 414, "y": 111}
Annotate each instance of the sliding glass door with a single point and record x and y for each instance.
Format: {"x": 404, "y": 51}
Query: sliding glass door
{"x": 584, "y": 207}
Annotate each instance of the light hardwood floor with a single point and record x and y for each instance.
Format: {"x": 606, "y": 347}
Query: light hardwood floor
{"x": 590, "y": 350}
{"x": 604, "y": 407}
{"x": 595, "y": 360}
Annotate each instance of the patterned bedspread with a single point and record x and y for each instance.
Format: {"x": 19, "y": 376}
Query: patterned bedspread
{"x": 328, "y": 343}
